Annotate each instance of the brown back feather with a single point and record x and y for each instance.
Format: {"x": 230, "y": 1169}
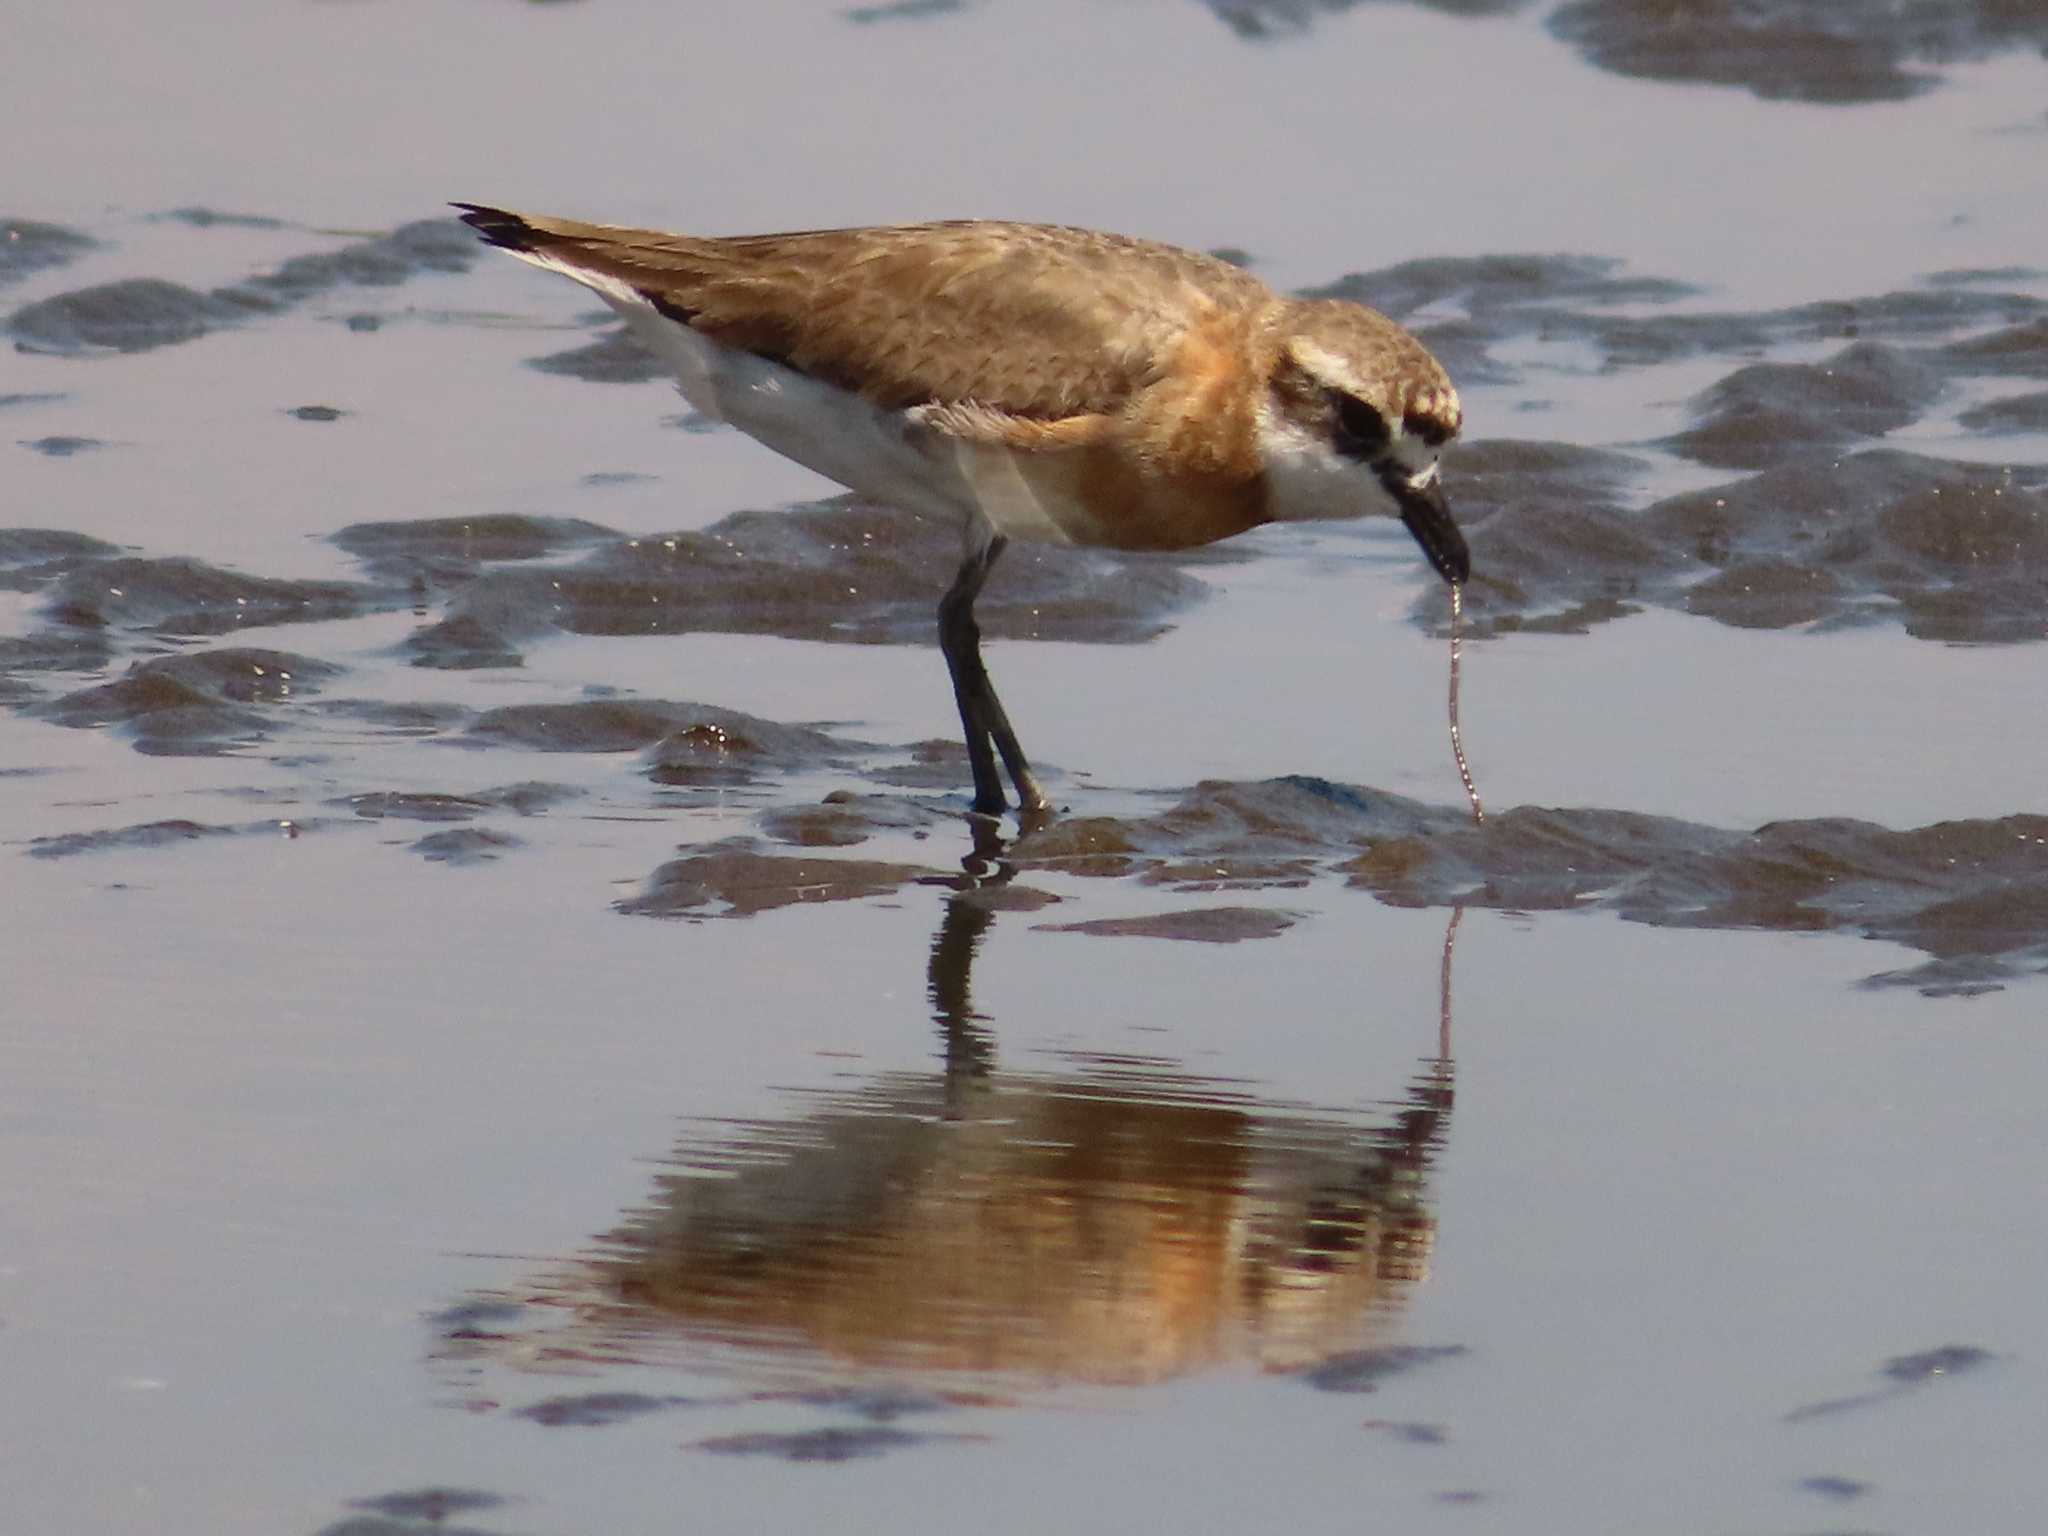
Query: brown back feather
{"x": 1039, "y": 321}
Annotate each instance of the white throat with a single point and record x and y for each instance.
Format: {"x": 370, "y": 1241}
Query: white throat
{"x": 1309, "y": 481}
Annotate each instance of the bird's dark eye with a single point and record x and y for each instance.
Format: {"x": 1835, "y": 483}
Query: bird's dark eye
{"x": 1361, "y": 432}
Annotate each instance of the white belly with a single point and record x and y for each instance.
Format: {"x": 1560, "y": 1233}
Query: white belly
{"x": 883, "y": 454}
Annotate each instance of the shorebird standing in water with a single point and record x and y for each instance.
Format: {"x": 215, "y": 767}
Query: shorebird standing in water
{"x": 1032, "y": 382}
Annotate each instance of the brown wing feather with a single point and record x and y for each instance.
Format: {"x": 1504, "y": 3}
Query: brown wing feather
{"x": 1035, "y": 321}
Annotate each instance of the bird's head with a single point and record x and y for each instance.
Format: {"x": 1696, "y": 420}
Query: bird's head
{"x": 1355, "y": 419}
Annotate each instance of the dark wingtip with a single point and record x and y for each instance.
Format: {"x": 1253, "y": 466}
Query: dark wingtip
{"x": 507, "y": 231}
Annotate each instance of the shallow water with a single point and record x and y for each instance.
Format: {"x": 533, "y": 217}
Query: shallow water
{"x": 513, "y": 1031}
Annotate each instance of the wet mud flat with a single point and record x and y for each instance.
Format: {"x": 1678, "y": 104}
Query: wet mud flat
{"x": 1821, "y": 524}
{"x": 1973, "y": 895}
{"x": 1822, "y": 520}
{"x": 1824, "y": 51}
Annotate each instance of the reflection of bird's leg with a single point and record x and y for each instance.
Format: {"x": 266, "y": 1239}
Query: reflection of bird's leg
{"x": 982, "y": 718}
{"x": 969, "y": 1047}
{"x": 985, "y": 865}
{"x": 969, "y": 1051}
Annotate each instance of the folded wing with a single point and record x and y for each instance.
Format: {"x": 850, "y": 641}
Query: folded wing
{"x": 1035, "y": 322}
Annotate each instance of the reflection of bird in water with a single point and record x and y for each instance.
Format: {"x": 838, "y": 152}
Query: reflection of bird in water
{"x": 1031, "y": 382}
{"x": 1113, "y": 1220}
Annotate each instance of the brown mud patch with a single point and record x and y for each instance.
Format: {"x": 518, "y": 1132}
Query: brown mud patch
{"x": 593, "y": 1410}
{"x": 181, "y": 596}
{"x": 400, "y": 717}
{"x": 614, "y": 358}
{"x": 877, "y": 1403}
{"x": 2013, "y": 413}
{"x": 412, "y": 1511}
{"x": 1949, "y": 550}
{"x": 732, "y": 880}
{"x": 31, "y": 557}
{"x": 1466, "y": 307}
{"x": 523, "y": 799}
{"x": 1365, "y": 1369}
{"x": 839, "y": 570}
{"x": 832, "y": 1444}
{"x": 54, "y": 651}
{"x": 844, "y": 818}
{"x": 1971, "y": 895}
{"x": 1830, "y": 1486}
{"x": 686, "y": 745}
{"x": 200, "y": 702}
{"x": 1410, "y": 1431}
{"x": 29, "y": 245}
{"x": 25, "y": 399}
{"x": 1834, "y": 526}
{"x": 454, "y": 549}
{"x": 172, "y": 832}
{"x": 1826, "y": 51}
{"x": 62, "y": 445}
{"x": 145, "y": 835}
{"x": 384, "y": 1525}
{"x": 1829, "y": 52}
{"x": 196, "y": 216}
{"x": 1771, "y": 413}
{"x": 139, "y": 314}
{"x": 1259, "y": 20}
{"x": 1901, "y": 1374}
{"x": 901, "y": 10}
{"x": 465, "y": 845}
{"x": 1198, "y": 925}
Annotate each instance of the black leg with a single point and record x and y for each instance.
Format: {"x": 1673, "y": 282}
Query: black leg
{"x": 982, "y": 718}
{"x": 960, "y": 641}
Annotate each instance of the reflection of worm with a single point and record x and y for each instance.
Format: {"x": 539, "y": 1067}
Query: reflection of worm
{"x": 1457, "y": 737}
{"x": 1443, "y": 987}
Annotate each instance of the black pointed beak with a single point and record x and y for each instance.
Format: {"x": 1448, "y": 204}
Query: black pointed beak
{"x": 1427, "y": 515}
